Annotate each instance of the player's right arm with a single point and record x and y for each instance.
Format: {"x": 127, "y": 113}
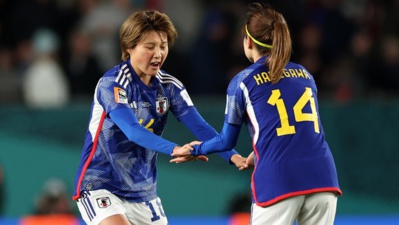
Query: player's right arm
{"x": 112, "y": 93}
{"x": 125, "y": 119}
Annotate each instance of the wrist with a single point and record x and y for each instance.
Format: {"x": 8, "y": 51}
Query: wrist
{"x": 196, "y": 151}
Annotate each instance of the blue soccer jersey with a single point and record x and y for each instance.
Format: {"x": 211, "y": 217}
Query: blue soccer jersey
{"x": 110, "y": 160}
{"x": 291, "y": 155}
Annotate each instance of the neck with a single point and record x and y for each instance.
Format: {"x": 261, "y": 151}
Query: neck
{"x": 256, "y": 56}
{"x": 146, "y": 79}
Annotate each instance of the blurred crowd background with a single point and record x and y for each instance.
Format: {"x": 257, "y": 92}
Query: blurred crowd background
{"x": 54, "y": 51}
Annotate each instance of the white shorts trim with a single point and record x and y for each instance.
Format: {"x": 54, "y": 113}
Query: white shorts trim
{"x": 95, "y": 206}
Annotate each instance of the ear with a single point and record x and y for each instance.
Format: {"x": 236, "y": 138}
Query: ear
{"x": 249, "y": 42}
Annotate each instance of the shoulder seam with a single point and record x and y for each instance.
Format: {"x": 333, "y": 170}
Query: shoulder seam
{"x": 124, "y": 76}
{"x": 168, "y": 79}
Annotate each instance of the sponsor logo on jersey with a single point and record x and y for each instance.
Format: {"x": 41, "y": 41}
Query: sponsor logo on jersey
{"x": 103, "y": 202}
{"x": 145, "y": 104}
{"x": 162, "y": 105}
{"x": 120, "y": 95}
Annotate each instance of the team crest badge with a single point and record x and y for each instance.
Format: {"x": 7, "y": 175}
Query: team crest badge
{"x": 161, "y": 105}
{"x": 103, "y": 202}
{"x": 120, "y": 95}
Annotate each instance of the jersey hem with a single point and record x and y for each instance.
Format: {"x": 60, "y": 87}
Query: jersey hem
{"x": 297, "y": 193}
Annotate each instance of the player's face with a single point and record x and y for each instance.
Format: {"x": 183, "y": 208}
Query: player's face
{"x": 149, "y": 54}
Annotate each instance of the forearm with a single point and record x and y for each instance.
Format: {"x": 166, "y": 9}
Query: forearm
{"x": 203, "y": 131}
{"x": 225, "y": 141}
{"x": 127, "y": 122}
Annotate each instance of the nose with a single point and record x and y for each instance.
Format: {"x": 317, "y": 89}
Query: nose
{"x": 158, "y": 53}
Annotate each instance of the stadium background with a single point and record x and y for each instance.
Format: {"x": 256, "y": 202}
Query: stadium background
{"x": 340, "y": 41}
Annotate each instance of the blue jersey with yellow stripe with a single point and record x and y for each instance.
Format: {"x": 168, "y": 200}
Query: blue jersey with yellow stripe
{"x": 292, "y": 155}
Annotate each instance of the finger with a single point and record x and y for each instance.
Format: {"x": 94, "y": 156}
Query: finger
{"x": 203, "y": 158}
{"x": 176, "y": 160}
{"x": 195, "y": 143}
{"x": 188, "y": 146}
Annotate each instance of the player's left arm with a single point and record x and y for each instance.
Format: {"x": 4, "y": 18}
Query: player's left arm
{"x": 220, "y": 143}
{"x": 203, "y": 131}
{"x": 227, "y": 139}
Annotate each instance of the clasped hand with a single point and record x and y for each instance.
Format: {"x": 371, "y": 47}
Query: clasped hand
{"x": 182, "y": 153}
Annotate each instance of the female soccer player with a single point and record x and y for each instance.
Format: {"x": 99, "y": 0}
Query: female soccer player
{"x": 117, "y": 176}
{"x": 294, "y": 177}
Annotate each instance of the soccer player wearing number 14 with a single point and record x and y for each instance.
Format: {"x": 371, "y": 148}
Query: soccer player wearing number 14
{"x": 294, "y": 175}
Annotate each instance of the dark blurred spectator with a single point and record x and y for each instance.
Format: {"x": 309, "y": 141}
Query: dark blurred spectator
{"x": 10, "y": 82}
{"x": 81, "y": 65}
{"x": 101, "y": 21}
{"x": 239, "y": 211}
{"x": 344, "y": 79}
{"x": 52, "y": 207}
{"x": 53, "y": 199}
{"x": 327, "y": 37}
{"x": 362, "y": 47}
{"x": 308, "y": 51}
{"x": 211, "y": 52}
{"x": 391, "y": 24}
{"x": 338, "y": 80}
{"x": 336, "y": 28}
{"x": 22, "y": 18}
{"x": 385, "y": 68}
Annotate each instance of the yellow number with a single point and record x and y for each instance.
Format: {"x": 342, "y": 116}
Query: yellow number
{"x": 300, "y": 116}
{"x": 148, "y": 126}
{"x": 285, "y": 128}
{"x": 306, "y": 97}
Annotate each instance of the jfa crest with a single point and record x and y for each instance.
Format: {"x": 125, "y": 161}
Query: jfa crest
{"x": 103, "y": 202}
{"x": 162, "y": 105}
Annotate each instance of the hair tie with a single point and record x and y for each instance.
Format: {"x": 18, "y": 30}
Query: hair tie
{"x": 256, "y": 41}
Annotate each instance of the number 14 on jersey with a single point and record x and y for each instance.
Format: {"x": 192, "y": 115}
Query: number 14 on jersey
{"x": 285, "y": 129}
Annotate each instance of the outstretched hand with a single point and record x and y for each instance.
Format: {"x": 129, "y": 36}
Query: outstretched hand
{"x": 243, "y": 163}
{"x": 185, "y": 149}
{"x": 182, "y": 153}
{"x": 250, "y": 160}
{"x": 239, "y": 161}
{"x": 188, "y": 158}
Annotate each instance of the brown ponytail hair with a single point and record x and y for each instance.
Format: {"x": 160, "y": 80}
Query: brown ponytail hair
{"x": 272, "y": 37}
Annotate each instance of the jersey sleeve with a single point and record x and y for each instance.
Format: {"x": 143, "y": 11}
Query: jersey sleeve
{"x": 111, "y": 95}
{"x": 235, "y": 102}
{"x": 181, "y": 103}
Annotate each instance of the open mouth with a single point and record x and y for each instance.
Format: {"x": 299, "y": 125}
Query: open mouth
{"x": 155, "y": 65}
